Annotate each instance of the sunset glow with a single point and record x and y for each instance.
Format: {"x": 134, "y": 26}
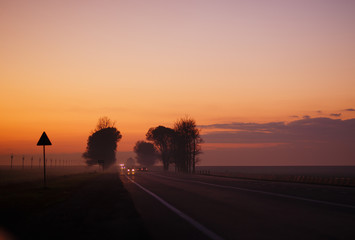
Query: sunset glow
{"x": 64, "y": 64}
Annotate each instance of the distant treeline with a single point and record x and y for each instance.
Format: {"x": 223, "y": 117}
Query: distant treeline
{"x": 179, "y": 146}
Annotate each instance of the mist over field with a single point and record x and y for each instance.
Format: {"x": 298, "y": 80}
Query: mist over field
{"x": 189, "y": 119}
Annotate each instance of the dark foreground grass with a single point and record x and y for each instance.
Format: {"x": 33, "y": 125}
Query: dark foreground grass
{"x": 79, "y": 206}
{"x": 29, "y": 197}
{"x": 20, "y": 175}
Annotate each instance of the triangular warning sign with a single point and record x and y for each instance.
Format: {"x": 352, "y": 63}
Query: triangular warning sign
{"x": 44, "y": 140}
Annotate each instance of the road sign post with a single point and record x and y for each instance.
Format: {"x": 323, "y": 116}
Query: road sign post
{"x": 43, "y": 141}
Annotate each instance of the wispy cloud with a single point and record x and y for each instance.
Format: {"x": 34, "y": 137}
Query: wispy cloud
{"x": 349, "y": 110}
{"x": 335, "y": 114}
{"x": 307, "y": 130}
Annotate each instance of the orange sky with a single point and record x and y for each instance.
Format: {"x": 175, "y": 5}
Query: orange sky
{"x": 64, "y": 64}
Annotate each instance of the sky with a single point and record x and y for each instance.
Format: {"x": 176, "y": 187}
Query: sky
{"x": 64, "y": 64}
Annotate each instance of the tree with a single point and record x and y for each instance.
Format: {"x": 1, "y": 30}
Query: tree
{"x": 163, "y": 139}
{"x": 102, "y": 144}
{"x": 187, "y": 144}
{"x": 104, "y": 122}
{"x": 130, "y": 162}
{"x": 146, "y": 153}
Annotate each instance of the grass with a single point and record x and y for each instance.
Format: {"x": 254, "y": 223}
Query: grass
{"x": 18, "y": 175}
{"x": 21, "y": 190}
{"x": 21, "y": 200}
{"x": 32, "y": 196}
{"x": 73, "y": 206}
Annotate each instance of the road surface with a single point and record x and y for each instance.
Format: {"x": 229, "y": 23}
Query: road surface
{"x": 181, "y": 206}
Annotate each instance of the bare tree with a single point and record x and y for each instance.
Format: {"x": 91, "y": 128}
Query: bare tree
{"x": 104, "y": 122}
{"x": 188, "y": 146}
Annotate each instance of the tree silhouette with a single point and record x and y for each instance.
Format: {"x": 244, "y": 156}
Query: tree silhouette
{"x": 187, "y": 144}
{"x": 146, "y": 153}
{"x": 163, "y": 139}
{"x": 180, "y": 145}
{"x": 130, "y": 162}
{"x": 104, "y": 122}
{"x": 102, "y": 144}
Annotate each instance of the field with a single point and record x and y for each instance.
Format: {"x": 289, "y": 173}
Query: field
{"x": 329, "y": 175}
{"x": 78, "y": 199}
{"x": 18, "y": 174}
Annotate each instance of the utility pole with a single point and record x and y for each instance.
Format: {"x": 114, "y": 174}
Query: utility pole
{"x": 12, "y": 157}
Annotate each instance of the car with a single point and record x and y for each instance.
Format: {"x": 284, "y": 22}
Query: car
{"x": 142, "y": 169}
{"x": 130, "y": 171}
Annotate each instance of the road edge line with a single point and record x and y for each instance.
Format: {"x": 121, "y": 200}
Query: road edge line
{"x": 190, "y": 220}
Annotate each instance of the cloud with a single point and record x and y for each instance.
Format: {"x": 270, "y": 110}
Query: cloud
{"x": 245, "y": 126}
{"x": 349, "y": 110}
{"x": 294, "y": 116}
{"x": 306, "y": 117}
{"x": 319, "y": 111}
{"x": 303, "y": 131}
{"x": 335, "y": 114}
{"x": 310, "y": 141}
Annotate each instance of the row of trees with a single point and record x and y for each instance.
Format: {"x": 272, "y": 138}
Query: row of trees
{"x": 179, "y": 146}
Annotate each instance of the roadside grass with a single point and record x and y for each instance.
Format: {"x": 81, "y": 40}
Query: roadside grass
{"x": 18, "y": 175}
{"x": 20, "y": 201}
{"x": 77, "y": 206}
{"x": 30, "y": 197}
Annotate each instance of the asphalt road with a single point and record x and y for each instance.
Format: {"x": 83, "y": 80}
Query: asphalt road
{"x": 179, "y": 206}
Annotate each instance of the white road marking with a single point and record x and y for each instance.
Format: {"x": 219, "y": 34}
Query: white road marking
{"x": 267, "y": 193}
{"x": 193, "y": 222}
